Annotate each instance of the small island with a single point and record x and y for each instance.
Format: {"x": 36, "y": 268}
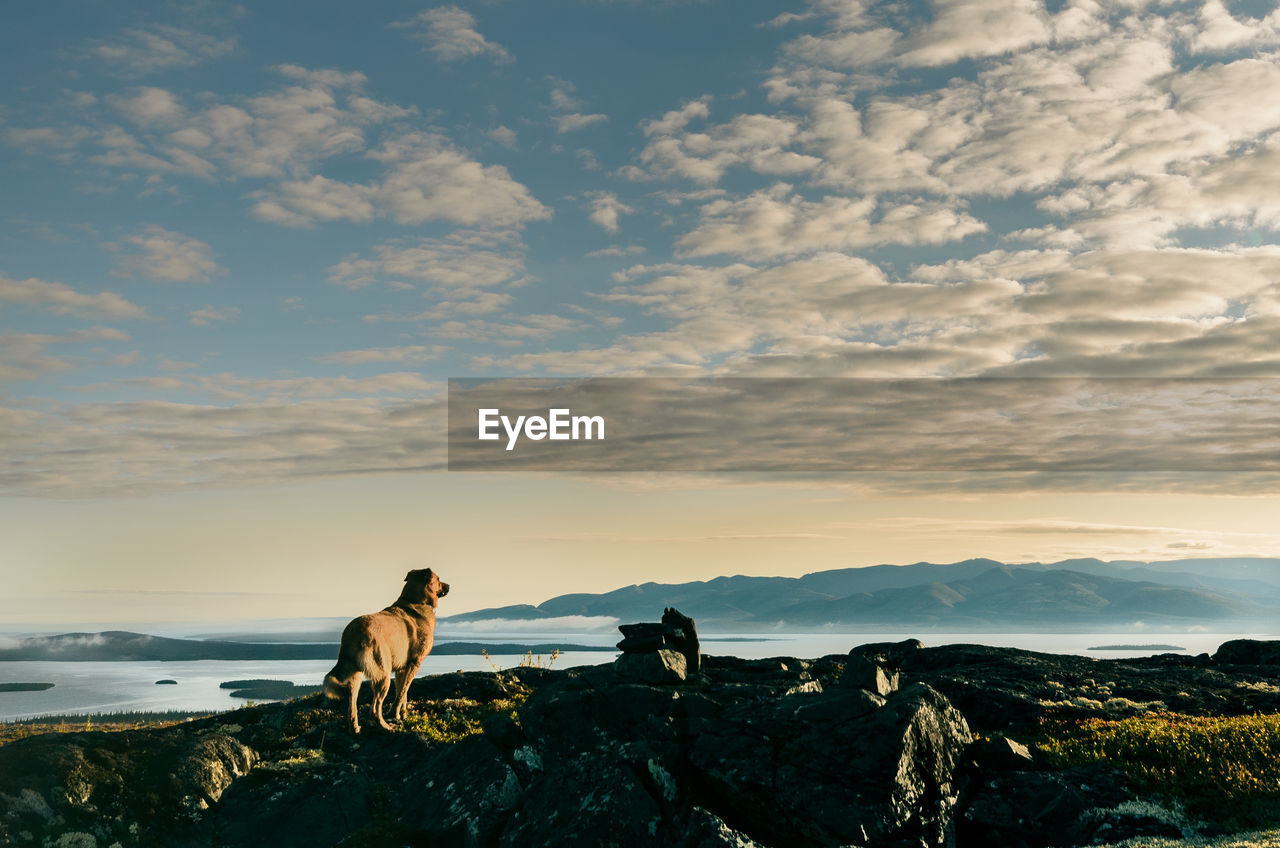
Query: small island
{"x": 166, "y": 682}
{"x": 266, "y": 689}
{"x": 1137, "y": 648}
{"x": 25, "y": 687}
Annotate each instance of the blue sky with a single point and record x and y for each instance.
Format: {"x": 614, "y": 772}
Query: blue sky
{"x": 244, "y": 245}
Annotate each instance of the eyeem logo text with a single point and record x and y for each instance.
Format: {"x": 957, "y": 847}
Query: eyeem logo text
{"x": 560, "y": 425}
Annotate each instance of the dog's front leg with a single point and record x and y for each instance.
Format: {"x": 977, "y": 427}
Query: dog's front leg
{"x": 404, "y": 679}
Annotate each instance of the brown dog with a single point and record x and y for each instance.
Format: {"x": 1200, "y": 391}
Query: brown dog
{"x": 397, "y": 639}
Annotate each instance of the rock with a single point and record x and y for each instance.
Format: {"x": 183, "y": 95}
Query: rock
{"x": 1248, "y": 652}
{"x": 687, "y": 642}
{"x": 780, "y": 752}
{"x": 840, "y": 705}
{"x": 474, "y": 792}
{"x": 100, "y": 782}
{"x": 883, "y": 778}
{"x": 292, "y": 808}
{"x": 596, "y": 797}
{"x": 1001, "y": 754}
{"x": 864, "y": 673}
{"x": 662, "y": 667}
{"x": 707, "y": 830}
{"x": 1080, "y": 806}
{"x": 676, "y": 631}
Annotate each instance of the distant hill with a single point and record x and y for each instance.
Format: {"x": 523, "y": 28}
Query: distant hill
{"x": 975, "y": 594}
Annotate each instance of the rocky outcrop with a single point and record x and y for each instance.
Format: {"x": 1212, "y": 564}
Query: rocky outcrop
{"x": 659, "y": 652}
{"x": 1248, "y": 652}
{"x": 873, "y": 749}
{"x": 744, "y": 753}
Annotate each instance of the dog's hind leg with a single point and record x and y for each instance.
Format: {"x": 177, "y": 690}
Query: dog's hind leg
{"x": 380, "y": 688}
{"x": 353, "y": 714}
{"x": 378, "y": 670}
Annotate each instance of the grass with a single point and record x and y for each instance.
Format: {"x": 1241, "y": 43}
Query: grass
{"x": 1225, "y": 769}
{"x": 529, "y": 660}
{"x": 127, "y": 720}
{"x": 452, "y": 719}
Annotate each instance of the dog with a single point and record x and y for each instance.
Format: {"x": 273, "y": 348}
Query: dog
{"x": 396, "y": 640}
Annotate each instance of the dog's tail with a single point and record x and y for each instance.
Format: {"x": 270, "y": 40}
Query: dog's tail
{"x": 332, "y": 686}
{"x": 339, "y": 682}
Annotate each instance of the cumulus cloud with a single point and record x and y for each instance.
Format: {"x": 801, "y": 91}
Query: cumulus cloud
{"x": 449, "y": 34}
{"x": 777, "y": 222}
{"x": 755, "y": 141}
{"x": 164, "y": 256}
{"x": 61, "y": 299}
{"x": 459, "y": 270}
{"x": 426, "y": 179}
{"x": 606, "y": 209}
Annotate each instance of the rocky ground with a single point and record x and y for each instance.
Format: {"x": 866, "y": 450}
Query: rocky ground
{"x": 891, "y": 745}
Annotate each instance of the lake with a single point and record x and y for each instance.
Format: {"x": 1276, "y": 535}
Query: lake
{"x": 99, "y": 688}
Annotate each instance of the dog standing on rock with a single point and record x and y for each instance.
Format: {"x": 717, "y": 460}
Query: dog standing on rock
{"x": 396, "y": 640}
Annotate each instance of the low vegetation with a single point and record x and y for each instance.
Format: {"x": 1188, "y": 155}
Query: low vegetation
{"x": 125, "y": 720}
{"x": 1224, "y": 768}
{"x": 451, "y": 719}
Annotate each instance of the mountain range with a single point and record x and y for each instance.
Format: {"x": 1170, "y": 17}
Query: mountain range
{"x": 971, "y": 595}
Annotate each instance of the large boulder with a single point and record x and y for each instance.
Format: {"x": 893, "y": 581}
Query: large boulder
{"x": 663, "y": 666}
{"x": 162, "y": 781}
{"x": 878, "y": 778}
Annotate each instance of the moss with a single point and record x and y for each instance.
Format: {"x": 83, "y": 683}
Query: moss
{"x": 452, "y": 719}
{"x": 1225, "y": 768}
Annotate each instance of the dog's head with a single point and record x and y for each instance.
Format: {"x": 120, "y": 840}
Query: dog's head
{"x": 426, "y": 585}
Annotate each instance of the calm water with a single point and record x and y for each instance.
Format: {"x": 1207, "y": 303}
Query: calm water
{"x": 98, "y": 688}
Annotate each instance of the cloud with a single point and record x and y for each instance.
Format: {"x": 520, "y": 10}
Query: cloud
{"x": 776, "y": 222}
{"x": 206, "y": 315}
{"x": 504, "y": 136}
{"x": 755, "y": 141}
{"x": 457, "y": 263}
{"x": 962, "y": 29}
{"x": 1008, "y": 425}
{"x": 280, "y": 133}
{"x": 61, "y": 299}
{"x": 450, "y": 35}
{"x": 296, "y": 434}
{"x": 425, "y": 179}
{"x": 149, "y": 106}
{"x": 24, "y": 356}
{"x": 328, "y": 77}
{"x": 160, "y": 47}
{"x": 575, "y": 121}
{"x": 605, "y": 209}
{"x": 164, "y": 256}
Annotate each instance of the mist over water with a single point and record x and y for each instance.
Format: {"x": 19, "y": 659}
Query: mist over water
{"x": 100, "y": 688}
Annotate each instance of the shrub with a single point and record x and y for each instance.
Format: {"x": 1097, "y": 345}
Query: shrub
{"x": 1225, "y": 768}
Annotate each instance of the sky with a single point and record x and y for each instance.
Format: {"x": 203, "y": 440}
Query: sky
{"x": 244, "y": 247}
